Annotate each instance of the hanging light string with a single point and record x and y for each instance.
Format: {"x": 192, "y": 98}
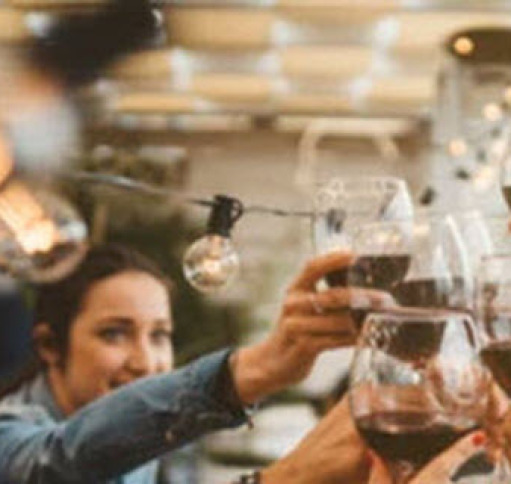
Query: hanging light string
{"x": 129, "y": 184}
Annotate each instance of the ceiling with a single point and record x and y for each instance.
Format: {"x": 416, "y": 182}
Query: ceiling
{"x": 276, "y": 58}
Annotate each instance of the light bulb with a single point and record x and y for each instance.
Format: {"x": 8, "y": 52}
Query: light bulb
{"x": 211, "y": 263}
{"x": 42, "y": 238}
{"x": 492, "y": 112}
{"x": 457, "y": 147}
{"x": 464, "y": 45}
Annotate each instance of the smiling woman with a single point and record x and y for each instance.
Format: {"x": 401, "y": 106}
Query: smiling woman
{"x": 116, "y": 338}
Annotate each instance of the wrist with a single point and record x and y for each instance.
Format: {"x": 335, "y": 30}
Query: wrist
{"x": 253, "y": 374}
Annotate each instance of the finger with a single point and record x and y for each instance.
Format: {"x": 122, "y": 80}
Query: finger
{"x": 318, "y": 267}
{"x": 440, "y": 469}
{"x": 335, "y": 299}
{"x": 327, "y": 325}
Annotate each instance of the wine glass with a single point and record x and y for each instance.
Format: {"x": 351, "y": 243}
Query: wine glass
{"x": 493, "y": 305}
{"x": 383, "y": 252}
{"x": 341, "y": 204}
{"x": 421, "y": 263}
{"x": 416, "y": 384}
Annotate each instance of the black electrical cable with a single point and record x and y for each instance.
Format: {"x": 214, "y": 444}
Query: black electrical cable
{"x": 129, "y": 184}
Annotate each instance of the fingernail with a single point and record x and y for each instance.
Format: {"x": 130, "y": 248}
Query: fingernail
{"x": 479, "y": 439}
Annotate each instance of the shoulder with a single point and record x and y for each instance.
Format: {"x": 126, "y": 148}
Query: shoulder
{"x": 31, "y": 413}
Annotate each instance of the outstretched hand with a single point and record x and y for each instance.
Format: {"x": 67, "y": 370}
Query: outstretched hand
{"x": 332, "y": 453}
{"x": 310, "y": 322}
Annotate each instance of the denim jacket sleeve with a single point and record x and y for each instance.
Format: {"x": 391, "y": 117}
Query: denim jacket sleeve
{"x": 121, "y": 431}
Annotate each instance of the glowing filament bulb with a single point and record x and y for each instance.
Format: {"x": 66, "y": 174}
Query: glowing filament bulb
{"x": 211, "y": 263}
{"x": 33, "y": 230}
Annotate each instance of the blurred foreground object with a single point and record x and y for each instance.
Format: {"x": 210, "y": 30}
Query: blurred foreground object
{"x": 42, "y": 237}
{"x": 37, "y": 91}
{"x": 76, "y": 49}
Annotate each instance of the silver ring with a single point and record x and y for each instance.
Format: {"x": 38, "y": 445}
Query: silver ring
{"x": 315, "y": 305}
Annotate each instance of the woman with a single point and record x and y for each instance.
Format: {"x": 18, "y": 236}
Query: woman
{"x": 89, "y": 415}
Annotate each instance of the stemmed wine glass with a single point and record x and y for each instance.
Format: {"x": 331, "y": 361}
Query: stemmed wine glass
{"x": 415, "y": 385}
{"x": 493, "y": 311}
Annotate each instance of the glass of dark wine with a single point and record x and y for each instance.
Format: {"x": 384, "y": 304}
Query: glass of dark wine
{"x": 493, "y": 306}
{"x": 383, "y": 253}
{"x": 343, "y": 205}
{"x": 415, "y": 385}
{"x": 421, "y": 263}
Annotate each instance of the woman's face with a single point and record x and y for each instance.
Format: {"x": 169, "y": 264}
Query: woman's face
{"x": 122, "y": 332}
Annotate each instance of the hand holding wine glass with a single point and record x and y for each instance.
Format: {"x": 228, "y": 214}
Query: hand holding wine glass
{"x": 417, "y": 385}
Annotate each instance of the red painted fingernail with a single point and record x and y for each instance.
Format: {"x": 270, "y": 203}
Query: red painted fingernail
{"x": 479, "y": 439}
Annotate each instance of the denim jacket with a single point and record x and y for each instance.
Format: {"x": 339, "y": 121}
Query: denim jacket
{"x": 114, "y": 439}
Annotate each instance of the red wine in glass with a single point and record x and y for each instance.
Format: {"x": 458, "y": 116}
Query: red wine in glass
{"x": 383, "y": 272}
{"x": 410, "y": 437}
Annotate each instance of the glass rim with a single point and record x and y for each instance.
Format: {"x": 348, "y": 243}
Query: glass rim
{"x": 417, "y": 314}
{"x": 360, "y": 179}
{"x": 496, "y": 257}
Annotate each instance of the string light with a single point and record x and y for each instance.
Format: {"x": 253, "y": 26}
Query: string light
{"x": 464, "y": 45}
{"x": 211, "y": 263}
{"x": 492, "y": 112}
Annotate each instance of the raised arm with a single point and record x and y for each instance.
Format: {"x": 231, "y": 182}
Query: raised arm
{"x": 119, "y": 432}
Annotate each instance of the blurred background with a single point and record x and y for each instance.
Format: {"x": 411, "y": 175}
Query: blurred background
{"x": 261, "y": 100}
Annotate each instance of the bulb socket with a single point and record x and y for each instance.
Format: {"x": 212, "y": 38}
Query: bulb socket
{"x": 224, "y": 214}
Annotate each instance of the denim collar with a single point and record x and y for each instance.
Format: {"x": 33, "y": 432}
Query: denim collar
{"x": 37, "y": 392}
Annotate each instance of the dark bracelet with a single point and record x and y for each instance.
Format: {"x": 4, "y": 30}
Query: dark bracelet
{"x": 253, "y": 478}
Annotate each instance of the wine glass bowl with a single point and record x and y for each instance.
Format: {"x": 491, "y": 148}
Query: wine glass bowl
{"x": 421, "y": 263}
{"x": 439, "y": 274}
{"x": 416, "y": 385}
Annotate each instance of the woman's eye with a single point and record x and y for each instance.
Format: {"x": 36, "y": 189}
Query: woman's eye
{"x": 113, "y": 335}
{"x": 161, "y": 336}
